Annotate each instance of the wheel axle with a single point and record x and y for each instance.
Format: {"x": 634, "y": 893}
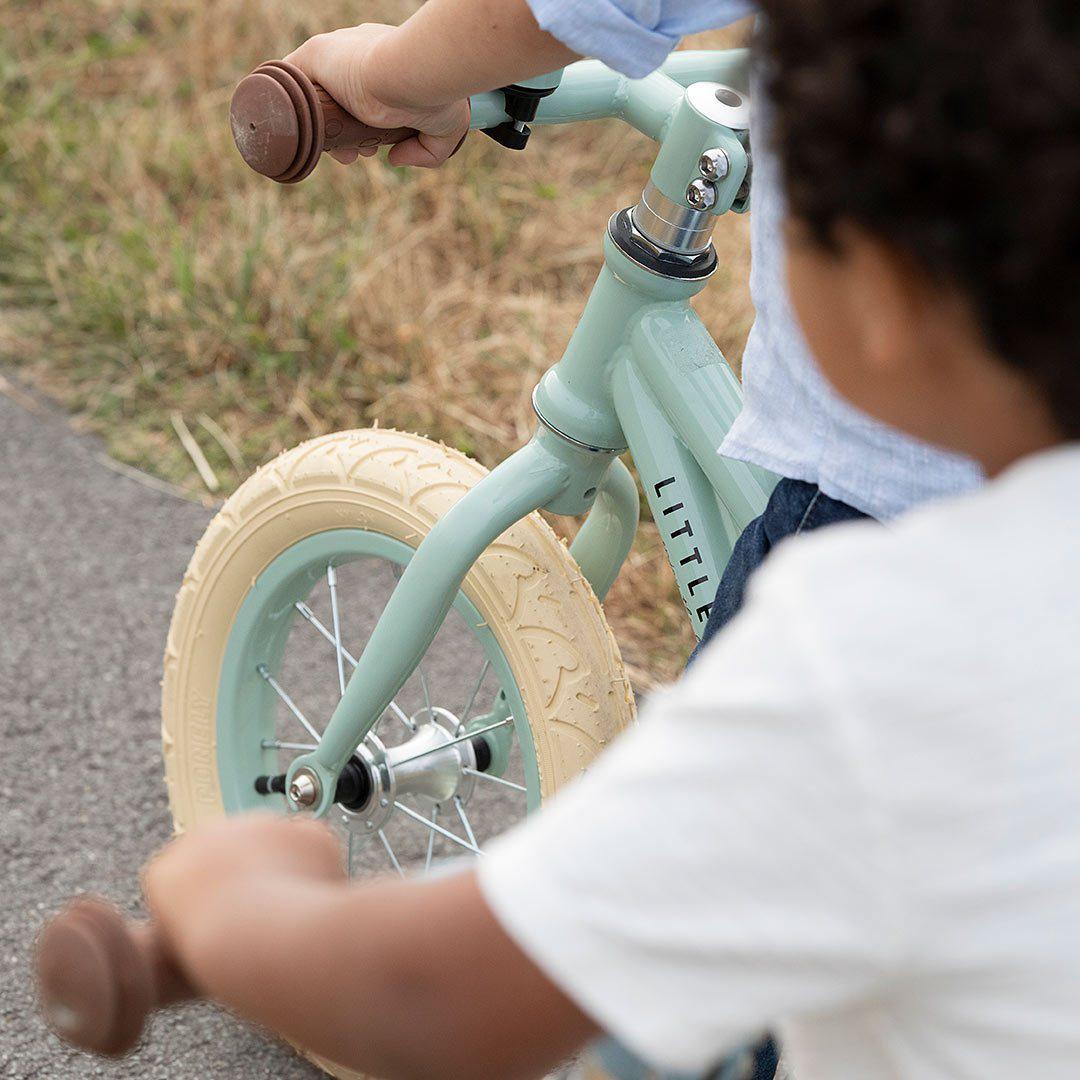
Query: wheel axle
{"x": 355, "y": 783}
{"x": 353, "y": 787}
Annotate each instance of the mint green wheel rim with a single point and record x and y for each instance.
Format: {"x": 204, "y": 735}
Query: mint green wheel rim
{"x": 246, "y": 704}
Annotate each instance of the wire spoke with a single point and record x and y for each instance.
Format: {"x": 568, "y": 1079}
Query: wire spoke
{"x": 431, "y": 839}
{"x": 264, "y": 672}
{"x": 351, "y": 660}
{"x": 460, "y": 808}
{"x": 317, "y": 623}
{"x": 424, "y": 686}
{"x": 476, "y": 690}
{"x": 408, "y": 811}
{"x": 278, "y": 744}
{"x": 494, "y": 779}
{"x": 390, "y": 852}
{"x": 331, "y": 581}
{"x": 349, "y": 856}
{"x": 453, "y": 742}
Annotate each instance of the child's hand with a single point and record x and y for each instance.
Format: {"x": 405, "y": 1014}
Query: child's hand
{"x": 383, "y": 977}
{"x": 341, "y": 62}
{"x": 204, "y": 885}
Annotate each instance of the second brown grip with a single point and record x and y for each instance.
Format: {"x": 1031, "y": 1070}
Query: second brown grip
{"x": 101, "y": 975}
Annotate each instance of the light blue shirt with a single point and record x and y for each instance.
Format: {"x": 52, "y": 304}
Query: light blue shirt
{"x": 792, "y": 421}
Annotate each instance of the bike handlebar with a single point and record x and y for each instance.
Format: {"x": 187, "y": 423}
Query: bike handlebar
{"x": 100, "y": 976}
{"x": 282, "y": 122}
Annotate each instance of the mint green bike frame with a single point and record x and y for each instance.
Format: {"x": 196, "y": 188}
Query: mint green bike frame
{"x": 640, "y": 373}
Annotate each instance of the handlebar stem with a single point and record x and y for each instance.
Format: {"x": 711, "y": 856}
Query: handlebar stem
{"x": 696, "y": 107}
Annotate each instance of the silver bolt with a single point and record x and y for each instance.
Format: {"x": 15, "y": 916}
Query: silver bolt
{"x": 304, "y": 789}
{"x": 700, "y": 194}
{"x": 384, "y": 802}
{"x": 714, "y": 164}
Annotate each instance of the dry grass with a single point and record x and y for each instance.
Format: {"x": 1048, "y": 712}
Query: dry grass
{"x": 145, "y": 272}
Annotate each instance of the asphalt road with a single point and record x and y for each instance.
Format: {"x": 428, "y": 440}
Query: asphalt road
{"x": 89, "y": 564}
{"x": 90, "y": 561}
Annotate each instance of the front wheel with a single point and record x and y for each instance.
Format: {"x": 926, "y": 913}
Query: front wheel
{"x": 521, "y": 688}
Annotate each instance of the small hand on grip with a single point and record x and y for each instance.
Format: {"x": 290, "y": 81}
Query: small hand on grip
{"x": 100, "y": 975}
{"x": 282, "y": 122}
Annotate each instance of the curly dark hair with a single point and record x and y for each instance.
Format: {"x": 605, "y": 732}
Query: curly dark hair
{"x": 950, "y": 129}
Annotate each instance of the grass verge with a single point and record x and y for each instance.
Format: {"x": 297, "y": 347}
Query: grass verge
{"x": 147, "y": 277}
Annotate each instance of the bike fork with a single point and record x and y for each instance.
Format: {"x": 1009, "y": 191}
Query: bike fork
{"x": 550, "y": 472}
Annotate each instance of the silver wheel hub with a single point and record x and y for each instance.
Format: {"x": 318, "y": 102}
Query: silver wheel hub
{"x": 430, "y": 766}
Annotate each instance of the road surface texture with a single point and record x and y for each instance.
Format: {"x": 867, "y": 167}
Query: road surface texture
{"x": 90, "y": 561}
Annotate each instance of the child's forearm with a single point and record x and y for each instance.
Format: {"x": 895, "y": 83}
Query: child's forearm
{"x": 396, "y": 980}
{"x": 450, "y": 49}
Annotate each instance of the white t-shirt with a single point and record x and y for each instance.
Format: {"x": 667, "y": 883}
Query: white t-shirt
{"x": 856, "y": 820}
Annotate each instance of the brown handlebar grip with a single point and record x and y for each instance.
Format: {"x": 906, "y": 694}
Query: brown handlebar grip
{"x": 100, "y": 976}
{"x": 342, "y": 131}
{"x": 282, "y": 122}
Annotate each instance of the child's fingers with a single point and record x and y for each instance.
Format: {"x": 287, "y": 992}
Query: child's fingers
{"x": 346, "y": 157}
{"x": 255, "y": 845}
{"x": 317, "y": 59}
{"x": 327, "y": 59}
{"x": 424, "y": 151}
{"x": 333, "y": 61}
{"x": 319, "y": 848}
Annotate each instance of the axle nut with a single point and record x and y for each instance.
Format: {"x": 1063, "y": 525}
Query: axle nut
{"x": 701, "y": 195}
{"x": 304, "y": 788}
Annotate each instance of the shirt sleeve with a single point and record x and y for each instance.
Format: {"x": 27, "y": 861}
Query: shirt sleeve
{"x": 721, "y": 866}
{"x": 632, "y": 36}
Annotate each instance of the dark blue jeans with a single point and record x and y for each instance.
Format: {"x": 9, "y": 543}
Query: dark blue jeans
{"x": 794, "y": 507}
